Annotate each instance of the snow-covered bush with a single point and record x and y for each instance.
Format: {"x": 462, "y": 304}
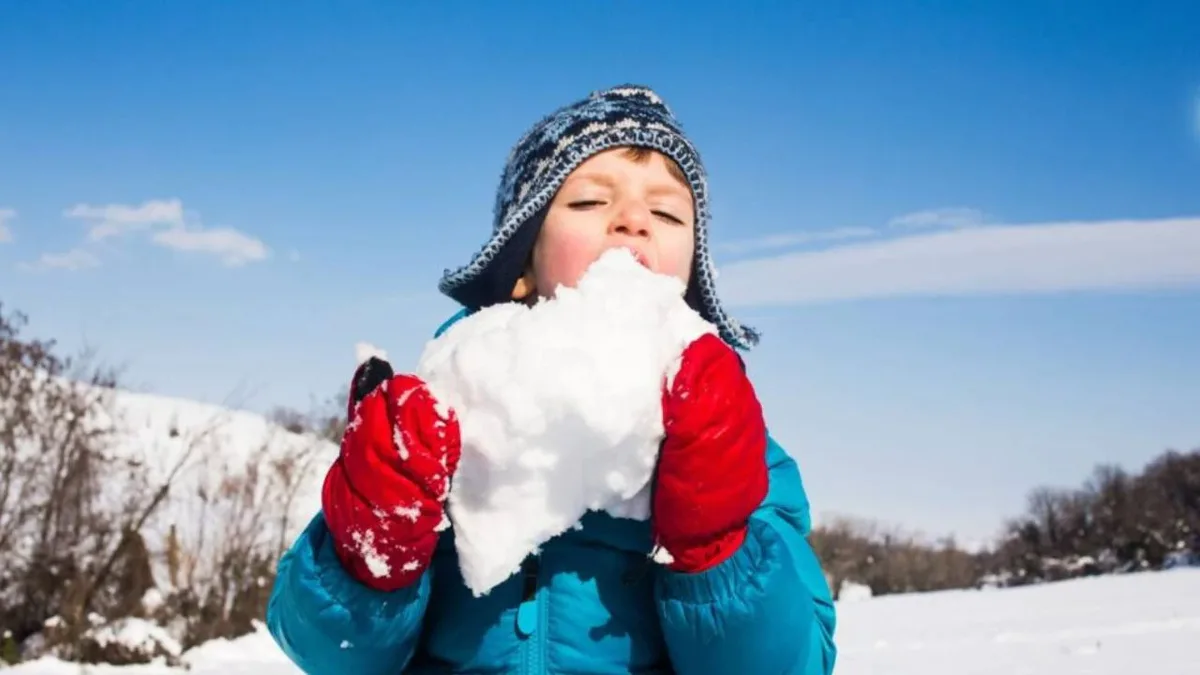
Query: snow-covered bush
{"x": 127, "y": 515}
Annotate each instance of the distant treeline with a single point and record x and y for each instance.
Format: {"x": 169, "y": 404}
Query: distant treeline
{"x": 1116, "y": 521}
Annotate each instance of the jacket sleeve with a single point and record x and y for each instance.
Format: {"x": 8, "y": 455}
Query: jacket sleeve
{"x": 765, "y": 609}
{"x": 327, "y": 622}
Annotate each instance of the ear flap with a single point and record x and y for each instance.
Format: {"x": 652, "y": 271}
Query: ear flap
{"x": 692, "y": 296}
{"x": 497, "y": 282}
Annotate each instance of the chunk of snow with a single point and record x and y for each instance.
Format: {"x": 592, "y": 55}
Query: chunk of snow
{"x": 152, "y": 599}
{"x": 135, "y": 634}
{"x": 662, "y": 556}
{"x": 853, "y": 591}
{"x": 377, "y": 563}
{"x": 365, "y": 350}
{"x": 412, "y": 512}
{"x": 560, "y": 408}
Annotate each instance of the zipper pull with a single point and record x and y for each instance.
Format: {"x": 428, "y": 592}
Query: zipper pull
{"x": 527, "y": 612}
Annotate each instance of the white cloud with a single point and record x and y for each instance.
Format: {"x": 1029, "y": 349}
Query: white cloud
{"x": 74, "y": 260}
{"x": 232, "y": 247}
{"x": 6, "y": 234}
{"x": 788, "y": 239}
{"x": 950, "y": 217}
{"x": 982, "y": 260}
{"x": 169, "y": 226}
{"x": 114, "y": 220}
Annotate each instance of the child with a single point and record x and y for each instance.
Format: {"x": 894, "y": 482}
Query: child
{"x": 741, "y": 591}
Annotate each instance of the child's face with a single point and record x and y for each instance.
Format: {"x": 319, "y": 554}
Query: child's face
{"x": 615, "y": 200}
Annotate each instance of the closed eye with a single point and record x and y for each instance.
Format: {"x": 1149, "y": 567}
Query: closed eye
{"x": 668, "y": 216}
{"x": 585, "y": 203}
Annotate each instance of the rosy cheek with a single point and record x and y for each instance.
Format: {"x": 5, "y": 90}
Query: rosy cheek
{"x": 573, "y": 266}
{"x": 673, "y": 262}
{"x": 557, "y": 268}
{"x": 564, "y": 258}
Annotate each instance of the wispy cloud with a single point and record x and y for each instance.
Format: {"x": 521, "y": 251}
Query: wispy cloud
{"x": 949, "y": 217}
{"x": 232, "y": 247}
{"x": 169, "y": 226}
{"x": 943, "y": 218}
{"x": 113, "y": 220}
{"x": 73, "y": 260}
{"x": 982, "y": 260}
{"x": 6, "y": 215}
{"x": 790, "y": 239}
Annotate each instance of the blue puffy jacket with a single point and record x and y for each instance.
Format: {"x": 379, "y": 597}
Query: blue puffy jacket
{"x": 589, "y": 602}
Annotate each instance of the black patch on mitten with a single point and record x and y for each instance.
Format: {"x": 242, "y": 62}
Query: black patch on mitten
{"x": 370, "y": 375}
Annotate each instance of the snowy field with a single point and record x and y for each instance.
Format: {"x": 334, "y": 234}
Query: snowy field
{"x": 1144, "y": 623}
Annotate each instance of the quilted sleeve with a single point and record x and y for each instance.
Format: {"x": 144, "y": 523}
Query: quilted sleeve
{"x": 765, "y": 609}
{"x": 327, "y": 622}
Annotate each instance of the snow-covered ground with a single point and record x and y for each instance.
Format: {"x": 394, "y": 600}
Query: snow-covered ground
{"x": 224, "y": 467}
{"x": 1143, "y": 623}
{"x": 208, "y": 446}
{"x": 239, "y": 485}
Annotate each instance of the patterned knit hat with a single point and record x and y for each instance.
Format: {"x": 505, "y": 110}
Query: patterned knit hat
{"x": 628, "y": 115}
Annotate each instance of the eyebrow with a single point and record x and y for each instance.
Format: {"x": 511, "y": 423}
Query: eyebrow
{"x": 672, "y": 187}
{"x": 598, "y": 178}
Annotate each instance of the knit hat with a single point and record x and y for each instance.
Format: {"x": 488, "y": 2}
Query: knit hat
{"x": 628, "y": 115}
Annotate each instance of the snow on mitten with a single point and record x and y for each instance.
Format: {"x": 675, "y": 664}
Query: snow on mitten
{"x": 384, "y": 498}
{"x": 712, "y": 470}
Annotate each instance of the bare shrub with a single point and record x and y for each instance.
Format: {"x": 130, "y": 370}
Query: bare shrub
{"x": 240, "y": 518}
{"x": 61, "y": 527}
{"x": 326, "y": 420}
{"x": 291, "y": 419}
{"x": 83, "y": 500}
{"x": 889, "y": 559}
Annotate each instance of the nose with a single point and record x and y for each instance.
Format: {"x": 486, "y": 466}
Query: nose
{"x": 631, "y": 220}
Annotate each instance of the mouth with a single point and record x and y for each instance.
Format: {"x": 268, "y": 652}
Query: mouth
{"x": 638, "y": 256}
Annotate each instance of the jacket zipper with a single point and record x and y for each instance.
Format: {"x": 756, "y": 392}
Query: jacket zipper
{"x": 543, "y": 607}
{"x": 529, "y": 616}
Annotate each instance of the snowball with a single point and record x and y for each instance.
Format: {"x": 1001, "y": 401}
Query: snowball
{"x": 560, "y": 409}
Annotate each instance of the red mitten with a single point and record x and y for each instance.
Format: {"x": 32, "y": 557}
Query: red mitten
{"x": 384, "y": 497}
{"x": 712, "y": 471}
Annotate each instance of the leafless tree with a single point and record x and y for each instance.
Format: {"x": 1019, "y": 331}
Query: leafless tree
{"x": 889, "y": 559}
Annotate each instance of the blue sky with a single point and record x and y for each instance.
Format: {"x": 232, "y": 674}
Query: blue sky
{"x": 971, "y": 237}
